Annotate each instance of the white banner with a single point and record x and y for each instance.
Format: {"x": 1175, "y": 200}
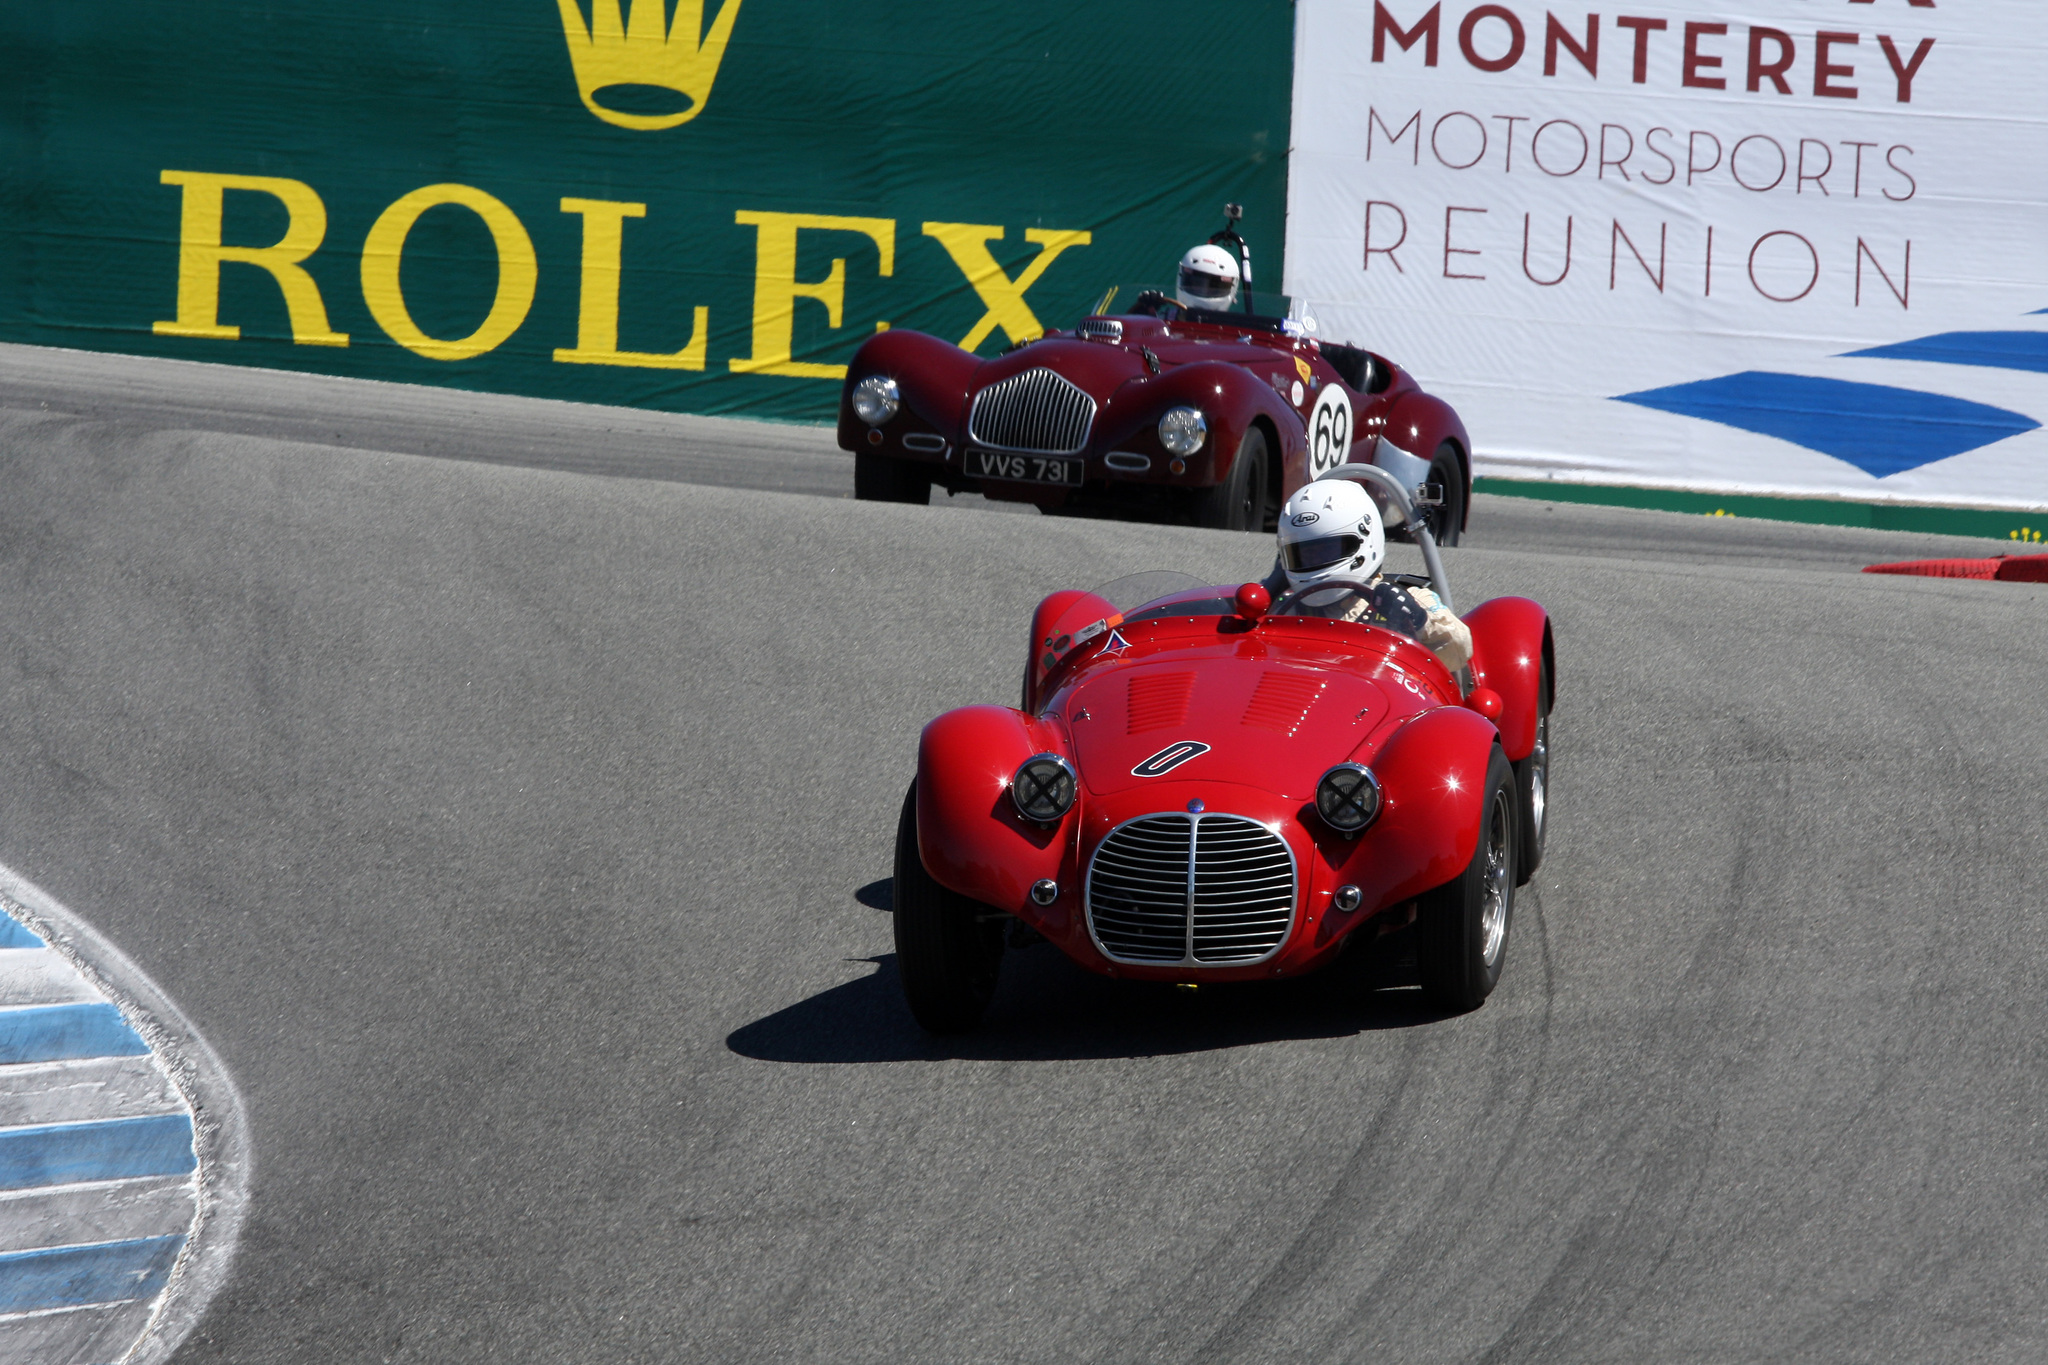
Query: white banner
{"x": 1796, "y": 248}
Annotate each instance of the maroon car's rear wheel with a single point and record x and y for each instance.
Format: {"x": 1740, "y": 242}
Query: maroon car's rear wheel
{"x": 884, "y": 478}
{"x": 1462, "y": 926}
{"x": 1239, "y": 502}
{"x": 949, "y": 948}
{"x": 1447, "y": 519}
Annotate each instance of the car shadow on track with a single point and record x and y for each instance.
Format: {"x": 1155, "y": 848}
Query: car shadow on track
{"x": 1048, "y": 1009}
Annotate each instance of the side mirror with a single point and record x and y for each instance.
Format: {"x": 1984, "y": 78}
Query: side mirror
{"x": 1252, "y": 601}
{"x": 1486, "y": 702}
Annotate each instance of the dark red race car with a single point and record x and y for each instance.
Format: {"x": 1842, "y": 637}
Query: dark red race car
{"x": 1203, "y": 784}
{"x": 1181, "y": 414}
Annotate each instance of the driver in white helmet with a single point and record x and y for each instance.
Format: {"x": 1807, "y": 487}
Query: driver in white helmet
{"x": 1330, "y": 534}
{"x": 1208, "y": 279}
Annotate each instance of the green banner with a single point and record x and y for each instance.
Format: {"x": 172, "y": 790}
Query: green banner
{"x": 696, "y": 207}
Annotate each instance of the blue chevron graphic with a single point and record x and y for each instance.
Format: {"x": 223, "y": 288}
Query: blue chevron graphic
{"x": 1879, "y": 429}
{"x": 1993, "y": 350}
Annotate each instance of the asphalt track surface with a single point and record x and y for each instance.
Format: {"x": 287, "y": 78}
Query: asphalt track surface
{"x": 517, "y": 835}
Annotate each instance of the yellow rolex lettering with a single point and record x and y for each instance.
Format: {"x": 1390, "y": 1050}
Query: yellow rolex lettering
{"x": 200, "y": 256}
{"x": 597, "y": 315}
{"x": 518, "y": 272}
{"x": 967, "y": 244}
{"x": 776, "y": 287}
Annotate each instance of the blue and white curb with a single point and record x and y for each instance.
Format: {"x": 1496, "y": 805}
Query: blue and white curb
{"x": 124, "y": 1157}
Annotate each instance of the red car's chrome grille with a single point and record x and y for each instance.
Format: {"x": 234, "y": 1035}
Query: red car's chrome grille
{"x": 1202, "y": 890}
{"x": 1036, "y": 411}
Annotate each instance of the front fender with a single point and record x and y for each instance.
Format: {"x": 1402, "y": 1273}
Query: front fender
{"x": 970, "y": 836}
{"x": 1510, "y": 641}
{"x": 1432, "y": 771}
{"x": 1230, "y": 397}
{"x": 933, "y": 374}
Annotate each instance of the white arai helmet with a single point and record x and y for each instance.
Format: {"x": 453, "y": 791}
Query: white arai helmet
{"x": 1330, "y": 532}
{"x": 1208, "y": 278}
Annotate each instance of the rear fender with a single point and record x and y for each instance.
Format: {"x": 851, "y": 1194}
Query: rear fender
{"x": 1060, "y": 619}
{"x": 1432, "y": 771}
{"x": 1510, "y": 641}
{"x": 969, "y": 835}
{"x": 1420, "y": 422}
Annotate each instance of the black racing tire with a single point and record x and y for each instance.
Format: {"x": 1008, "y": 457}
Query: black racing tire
{"x": 949, "y": 948}
{"x": 884, "y": 478}
{"x": 1447, "y": 521}
{"x": 1462, "y": 926}
{"x": 1239, "y": 502}
{"x": 1532, "y": 788}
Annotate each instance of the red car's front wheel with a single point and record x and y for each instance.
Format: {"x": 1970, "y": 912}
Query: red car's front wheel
{"x": 949, "y": 948}
{"x": 1462, "y": 926}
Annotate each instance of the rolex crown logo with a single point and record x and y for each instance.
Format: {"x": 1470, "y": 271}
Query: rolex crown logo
{"x": 636, "y": 52}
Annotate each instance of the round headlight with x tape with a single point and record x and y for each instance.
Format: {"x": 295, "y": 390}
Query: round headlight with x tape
{"x": 1348, "y": 798}
{"x": 1043, "y": 788}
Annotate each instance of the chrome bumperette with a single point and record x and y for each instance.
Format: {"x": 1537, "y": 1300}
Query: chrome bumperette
{"x": 1202, "y": 890}
{"x": 1033, "y": 413}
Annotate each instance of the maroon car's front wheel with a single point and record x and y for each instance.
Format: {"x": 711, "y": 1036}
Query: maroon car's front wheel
{"x": 949, "y": 948}
{"x": 1240, "y": 502}
{"x": 884, "y": 478}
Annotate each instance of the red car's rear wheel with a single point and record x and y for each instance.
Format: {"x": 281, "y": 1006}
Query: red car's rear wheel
{"x": 949, "y": 948}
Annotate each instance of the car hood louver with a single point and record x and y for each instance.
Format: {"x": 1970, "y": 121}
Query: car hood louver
{"x": 1291, "y": 722}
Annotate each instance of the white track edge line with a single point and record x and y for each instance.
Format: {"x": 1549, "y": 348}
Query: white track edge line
{"x": 220, "y": 1127}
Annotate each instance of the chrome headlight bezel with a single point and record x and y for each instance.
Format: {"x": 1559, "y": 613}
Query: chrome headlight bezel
{"x": 877, "y": 399}
{"x": 1348, "y": 798}
{"x": 1182, "y": 430}
{"x": 1044, "y": 788}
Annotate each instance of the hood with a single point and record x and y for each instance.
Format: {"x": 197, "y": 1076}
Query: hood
{"x": 1097, "y": 367}
{"x": 1265, "y": 723}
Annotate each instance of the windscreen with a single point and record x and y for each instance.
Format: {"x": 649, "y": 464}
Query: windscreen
{"x": 1132, "y": 591}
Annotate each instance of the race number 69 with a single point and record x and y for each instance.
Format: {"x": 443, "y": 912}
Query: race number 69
{"x": 1329, "y": 431}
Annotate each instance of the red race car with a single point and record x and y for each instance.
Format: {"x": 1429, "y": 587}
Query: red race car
{"x": 1204, "y": 784}
{"x": 1182, "y": 414}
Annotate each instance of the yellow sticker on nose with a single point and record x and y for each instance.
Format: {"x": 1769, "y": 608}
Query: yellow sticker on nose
{"x": 1302, "y": 365}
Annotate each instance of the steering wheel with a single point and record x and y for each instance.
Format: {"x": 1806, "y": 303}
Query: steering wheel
{"x": 1296, "y": 603}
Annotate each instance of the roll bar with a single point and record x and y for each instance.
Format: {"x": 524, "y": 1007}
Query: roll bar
{"x": 1416, "y": 527}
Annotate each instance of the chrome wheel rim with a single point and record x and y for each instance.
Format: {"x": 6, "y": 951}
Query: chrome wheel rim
{"x": 1493, "y": 908}
{"x": 1539, "y": 777}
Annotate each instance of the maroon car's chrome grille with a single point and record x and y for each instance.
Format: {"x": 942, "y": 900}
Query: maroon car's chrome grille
{"x": 1202, "y": 890}
{"x": 1036, "y": 411}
